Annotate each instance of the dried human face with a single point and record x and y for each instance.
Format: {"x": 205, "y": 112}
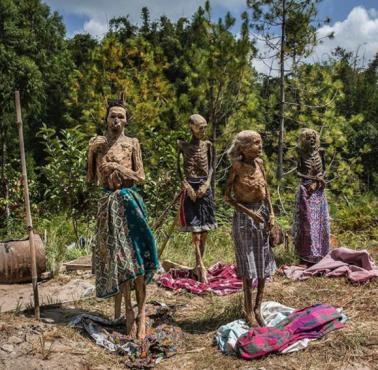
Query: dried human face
{"x": 198, "y": 126}
{"x": 253, "y": 148}
{"x": 309, "y": 139}
{"x": 117, "y": 119}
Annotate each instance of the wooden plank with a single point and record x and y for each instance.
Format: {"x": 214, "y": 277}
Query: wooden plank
{"x": 81, "y": 263}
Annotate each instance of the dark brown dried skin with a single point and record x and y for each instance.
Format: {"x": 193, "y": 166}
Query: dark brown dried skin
{"x": 126, "y": 154}
{"x": 196, "y": 158}
{"x": 311, "y": 163}
{"x": 249, "y": 184}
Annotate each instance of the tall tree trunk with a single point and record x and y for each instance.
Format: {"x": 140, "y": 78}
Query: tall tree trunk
{"x": 282, "y": 94}
{"x": 213, "y": 122}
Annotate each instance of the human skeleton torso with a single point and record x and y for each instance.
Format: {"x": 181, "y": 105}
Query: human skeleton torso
{"x": 311, "y": 163}
{"x": 124, "y": 151}
{"x": 196, "y": 158}
{"x": 249, "y": 184}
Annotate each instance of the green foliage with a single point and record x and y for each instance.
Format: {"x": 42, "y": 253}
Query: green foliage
{"x": 64, "y": 183}
{"x": 61, "y": 243}
{"x": 170, "y": 70}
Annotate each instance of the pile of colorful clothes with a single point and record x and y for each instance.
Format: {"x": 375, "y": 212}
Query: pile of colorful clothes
{"x": 222, "y": 280}
{"x": 287, "y": 330}
{"x": 164, "y": 339}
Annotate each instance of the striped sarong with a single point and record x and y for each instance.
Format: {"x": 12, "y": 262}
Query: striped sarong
{"x": 254, "y": 256}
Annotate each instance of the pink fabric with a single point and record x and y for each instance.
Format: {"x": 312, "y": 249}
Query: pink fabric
{"x": 311, "y": 322}
{"x": 356, "y": 265}
{"x": 222, "y": 280}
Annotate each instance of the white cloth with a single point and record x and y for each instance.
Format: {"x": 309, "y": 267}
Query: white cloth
{"x": 272, "y": 313}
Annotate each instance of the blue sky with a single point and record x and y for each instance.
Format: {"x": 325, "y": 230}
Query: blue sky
{"x": 354, "y": 22}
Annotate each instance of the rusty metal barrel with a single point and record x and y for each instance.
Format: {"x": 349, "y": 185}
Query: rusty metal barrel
{"x": 15, "y": 261}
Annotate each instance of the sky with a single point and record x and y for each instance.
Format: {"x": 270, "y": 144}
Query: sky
{"x": 354, "y": 22}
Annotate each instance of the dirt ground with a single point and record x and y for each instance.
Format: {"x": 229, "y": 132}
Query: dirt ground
{"x": 52, "y": 344}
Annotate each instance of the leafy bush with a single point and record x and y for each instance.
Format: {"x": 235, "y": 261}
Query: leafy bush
{"x": 64, "y": 187}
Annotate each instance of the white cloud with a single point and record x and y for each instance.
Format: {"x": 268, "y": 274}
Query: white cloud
{"x": 100, "y": 12}
{"x": 358, "y": 33}
{"x": 95, "y": 28}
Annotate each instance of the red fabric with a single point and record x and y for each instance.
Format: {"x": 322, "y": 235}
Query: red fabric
{"x": 222, "y": 280}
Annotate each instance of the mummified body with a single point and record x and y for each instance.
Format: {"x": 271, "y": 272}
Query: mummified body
{"x": 125, "y": 249}
{"x": 311, "y": 219}
{"x": 247, "y": 192}
{"x": 196, "y": 203}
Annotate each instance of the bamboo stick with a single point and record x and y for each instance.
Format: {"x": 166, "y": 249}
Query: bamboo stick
{"x": 28, "y": 218}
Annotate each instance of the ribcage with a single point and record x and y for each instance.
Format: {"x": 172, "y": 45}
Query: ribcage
{"x": 196, "y": 161}
{"x": 313, "y": 164}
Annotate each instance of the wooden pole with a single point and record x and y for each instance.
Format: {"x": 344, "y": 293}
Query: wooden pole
{"x": 168, "y": 236}
{"x": 28, "y": 217}
{"x": 281, "y": 138}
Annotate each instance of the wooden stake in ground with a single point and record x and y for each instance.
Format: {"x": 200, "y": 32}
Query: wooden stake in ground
{"x": 28, "y": 218}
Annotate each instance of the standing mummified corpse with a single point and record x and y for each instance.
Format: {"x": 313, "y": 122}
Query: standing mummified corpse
{"x": 197, "y": 208}
{"x": 125, "y": 254}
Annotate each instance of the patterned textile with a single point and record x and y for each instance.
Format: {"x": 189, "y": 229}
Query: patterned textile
{"x": 254, "y": 256}
{"x": 311, "y": 322}
{"x": 197, "y": 216}
{"x": 311, "y": 228}
{"x": 222, "y": 280}
{"x": 125, "y": 246}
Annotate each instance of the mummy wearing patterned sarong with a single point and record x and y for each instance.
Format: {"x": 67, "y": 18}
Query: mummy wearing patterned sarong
{"x": 247, "y": 192}
{"x": 124, "y": 253}
{"x": 311, "y": 229}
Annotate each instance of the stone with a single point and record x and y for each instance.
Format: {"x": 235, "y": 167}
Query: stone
{"x": 7, "y": 347}
{"x": 15, "y": 340}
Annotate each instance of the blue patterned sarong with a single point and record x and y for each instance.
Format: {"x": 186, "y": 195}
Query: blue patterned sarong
{"x": 125, "y": 246}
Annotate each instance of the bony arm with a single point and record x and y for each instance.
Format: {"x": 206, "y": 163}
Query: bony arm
{"x": 185, "y": 185}
{"x": 259, "y": 162}
{"x": 228, "y": 197}
{"x": 206, "y": 185}
{"x": 138, "y": 172}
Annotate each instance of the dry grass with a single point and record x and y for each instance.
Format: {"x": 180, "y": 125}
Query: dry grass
{"x": 353, "y": 348}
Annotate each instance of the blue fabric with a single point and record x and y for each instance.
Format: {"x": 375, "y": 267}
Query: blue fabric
{"x": 140, "y": 234}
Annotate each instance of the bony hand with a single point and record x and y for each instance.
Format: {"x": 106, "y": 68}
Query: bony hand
{"x": 190, "y": 191}
{"x": 202, "y": 190}
{"x": 97, "y": 142}
{"x": 108, "y": 166}
{"x": 271, "y": 221}
{"x": 256, "y": 216}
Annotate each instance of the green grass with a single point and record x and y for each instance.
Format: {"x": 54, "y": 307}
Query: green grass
{"x": 355, "y": 225}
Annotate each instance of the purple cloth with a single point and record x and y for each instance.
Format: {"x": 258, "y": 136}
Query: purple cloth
{"x": 358, "y": 266}
{"x": 311, "y": 228}
{"x": 222, "y": 280}
{"x": 311, "y": 322}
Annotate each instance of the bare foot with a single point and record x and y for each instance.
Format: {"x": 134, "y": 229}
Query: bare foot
{"x": 250, "y": 320}
{"x": 258, "y": 316}
{"x": 130, "y": 323}
{"x": 141, "y": 325}
{"x": 201, "y": 274}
